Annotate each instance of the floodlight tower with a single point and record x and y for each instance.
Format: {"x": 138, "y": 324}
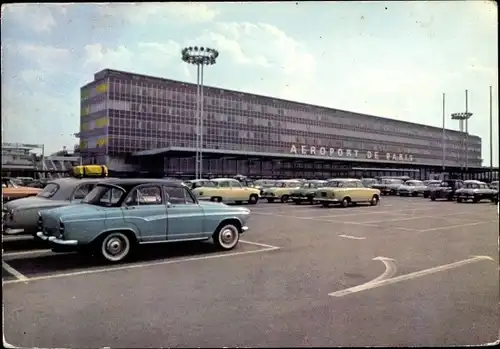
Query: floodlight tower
{"x": 199, "y": 56}
{"x": 463, "y": 119}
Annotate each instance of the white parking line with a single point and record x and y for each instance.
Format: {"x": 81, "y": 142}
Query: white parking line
{"x": 20, "y": 277}
{"x": 417, "y": 217}
{"x": 8, "y": 238}
{"x": 457, "y": 226}
{"x": 22, "y": 253}
{"x": 409, "y": 276}
{"x": 352, "y": 237}
{"x": 141, "y": 265}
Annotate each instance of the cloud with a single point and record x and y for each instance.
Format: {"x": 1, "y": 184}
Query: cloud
{"x": 37, "y": 17}
{"x": 152, "y": 58}
{"x": 141, "y": 13}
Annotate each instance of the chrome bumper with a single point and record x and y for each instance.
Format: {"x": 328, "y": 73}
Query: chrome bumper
{"x": 244, "y": 228}
{"x": 55, "y": 240}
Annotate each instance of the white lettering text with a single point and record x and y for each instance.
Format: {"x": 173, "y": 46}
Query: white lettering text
{"x": 313, "y": 151}
{"x": 375, "y": 155}
{"x": 348, "y": 152}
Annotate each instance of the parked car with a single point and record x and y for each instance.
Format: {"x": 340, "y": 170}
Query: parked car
{"x": 12, "y": 191}
{"x": 197, "y": 183}
{"x": 388, "y": 186}
{"x": 446, "y": 190}
{"x": 20, "y": 216}
{"x": 346, "y": 191}
{"x": 431, "y": 185}
{"x": 264, "y": 184}
{"x": 494, "y": 185}
{"x": 412, "y": 187}
{"x": 369, "y": 182}
{"x": 475, "y": 191}
{"x": 226, "y": 190}
{"x": 282, "y": 190}
{"x": 307, "y": 191}
{"x": 119, "y": 214}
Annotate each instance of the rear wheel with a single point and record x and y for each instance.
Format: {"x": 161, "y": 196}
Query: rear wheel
{"x": 114, "y": 247}
{"x": 346, "y": 202}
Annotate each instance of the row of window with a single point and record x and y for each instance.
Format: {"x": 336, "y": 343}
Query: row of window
{"x": 300, "y": 111}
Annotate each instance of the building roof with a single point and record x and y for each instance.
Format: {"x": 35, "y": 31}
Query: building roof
{"x": 117, "y": 73}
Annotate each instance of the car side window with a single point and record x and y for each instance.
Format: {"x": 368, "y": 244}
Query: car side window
{"x": 235, "y": 184}
{"x": 82, "y": 191}
{"x": 224, "y": 184}
{"x": 178, "y": 196}
{"x": 144, "y": 195}
{"x": 360, "y": 185}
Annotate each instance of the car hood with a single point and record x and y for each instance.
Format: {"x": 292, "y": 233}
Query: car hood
{"x": 33, "y": 202}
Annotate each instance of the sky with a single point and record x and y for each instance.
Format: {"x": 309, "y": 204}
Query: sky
{"x": 391, "y": 59}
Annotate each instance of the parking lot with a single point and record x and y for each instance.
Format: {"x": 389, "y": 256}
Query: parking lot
{"x": 408, "y": 272}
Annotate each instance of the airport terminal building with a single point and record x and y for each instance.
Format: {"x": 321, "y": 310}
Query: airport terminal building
{"x": 133, "y": 122}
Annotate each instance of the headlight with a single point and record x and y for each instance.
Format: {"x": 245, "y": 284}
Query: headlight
{"x": 40, "y": 222}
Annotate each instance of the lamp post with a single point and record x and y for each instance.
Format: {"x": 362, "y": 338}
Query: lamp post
{"x": 199, "y": 56}
{"x": 491, "y": 133}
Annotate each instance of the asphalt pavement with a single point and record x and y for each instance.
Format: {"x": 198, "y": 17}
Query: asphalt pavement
{"x": 409, "y": 272}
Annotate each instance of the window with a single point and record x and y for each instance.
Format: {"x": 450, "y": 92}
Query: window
{"x": 82, "y": 191}
{"x": 178, "y": 196}
{"x": 224, "y": 184}
{"x": 144, "y": 195}
{"x": 49, "y": 190}
{"x": 235, "y": 184}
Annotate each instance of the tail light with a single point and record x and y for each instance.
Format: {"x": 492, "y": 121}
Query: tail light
{"x": 61, "y": 229}
{"x": 40, "y": 222}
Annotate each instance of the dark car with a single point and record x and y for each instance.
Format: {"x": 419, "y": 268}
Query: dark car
{"x": 388, "y": 186}
{"x": 431, "y": 185}
{"x": 446, "y": 190}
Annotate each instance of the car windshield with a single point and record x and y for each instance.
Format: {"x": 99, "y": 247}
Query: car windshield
{"x": 392, "y": 181}
{"x": 414, "y": 183}
{"x": 49, "y": 191}
{"x": 104, "y": 195}
{"x": 433, "y": 184}
{"x": 335, "y": 184}
{"x": 8, "y": 183}
{"x": 473, "y": 186}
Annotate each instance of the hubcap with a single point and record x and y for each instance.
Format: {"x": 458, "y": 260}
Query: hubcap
{"x": 227, "y": 236}
{"x": 114, "y": 246}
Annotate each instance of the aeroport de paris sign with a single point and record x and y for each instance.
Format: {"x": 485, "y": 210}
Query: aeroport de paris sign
{"x": 348, "y": 153}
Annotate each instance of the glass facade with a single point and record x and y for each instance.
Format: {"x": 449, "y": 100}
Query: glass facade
{"x": 123, "y": 112}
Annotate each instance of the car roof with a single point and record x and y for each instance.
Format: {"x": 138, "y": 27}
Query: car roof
{"x": 473, "y": 181}
{"x": 138, "y": 181}
{"x": 223, "y": 179}
{"x": 344, "y": 180}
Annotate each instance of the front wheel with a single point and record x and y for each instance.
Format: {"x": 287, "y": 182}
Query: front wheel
{"x": 346, "y": 202}
{"x": 227, "y": 237}
{"x": 374, "y": 200}
{"x": 253, "y": 199}
{"x": 115, "y": 247}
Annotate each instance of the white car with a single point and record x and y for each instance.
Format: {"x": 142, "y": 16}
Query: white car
{"x": 412, "y": 187}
